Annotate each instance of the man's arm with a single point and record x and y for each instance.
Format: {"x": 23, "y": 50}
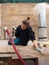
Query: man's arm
{"x": 35, "y": 43}
{"x": 32, "y": 36}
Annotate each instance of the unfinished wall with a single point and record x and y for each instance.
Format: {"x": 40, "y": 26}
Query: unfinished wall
{"x": 13, "y": 14}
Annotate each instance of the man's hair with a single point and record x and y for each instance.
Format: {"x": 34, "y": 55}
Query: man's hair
{"x": 28, "y": 18}
{"x": 27, "y": 23}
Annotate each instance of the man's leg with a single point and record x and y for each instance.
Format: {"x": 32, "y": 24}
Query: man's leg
{"x": 17, "y": 41}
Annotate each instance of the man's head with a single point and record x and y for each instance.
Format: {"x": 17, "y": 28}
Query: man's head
{"x": 25, "y": 24}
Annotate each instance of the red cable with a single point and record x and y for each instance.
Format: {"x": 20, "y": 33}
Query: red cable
{"x": 15, "y": 49}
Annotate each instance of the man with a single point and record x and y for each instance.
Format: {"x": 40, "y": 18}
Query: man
{"x": 24, "y": 33}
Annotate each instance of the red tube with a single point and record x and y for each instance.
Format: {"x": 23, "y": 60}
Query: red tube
{"x": 15, "y": 49}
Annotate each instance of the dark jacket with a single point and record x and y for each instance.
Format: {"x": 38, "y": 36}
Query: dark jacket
{"x": 24, "y": 35}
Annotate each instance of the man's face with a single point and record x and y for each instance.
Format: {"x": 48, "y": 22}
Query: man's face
{"x": 23, "y": 26}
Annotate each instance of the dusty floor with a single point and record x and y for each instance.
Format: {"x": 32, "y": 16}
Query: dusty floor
{"x": 42, "y": 61}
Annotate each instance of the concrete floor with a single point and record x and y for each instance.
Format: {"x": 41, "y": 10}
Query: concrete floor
{"x": 3, "y": 42}
{"x": 42, "y": 61}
